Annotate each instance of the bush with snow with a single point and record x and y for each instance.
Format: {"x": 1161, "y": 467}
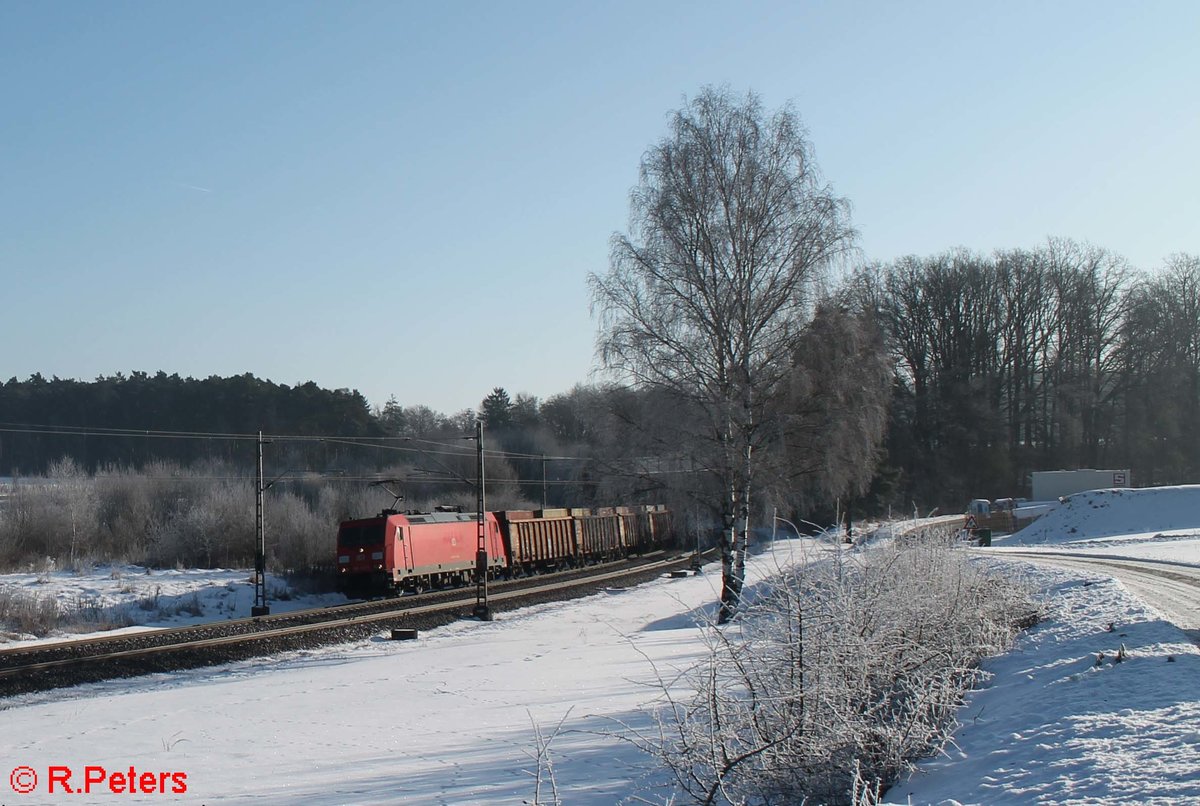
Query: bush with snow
{"x": 24, "y": 613}
{"x": 167, "y": 515}
{"x": 838, "y": 675}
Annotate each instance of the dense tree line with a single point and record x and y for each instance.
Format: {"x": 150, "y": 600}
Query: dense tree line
{"x": 1052, "y": 358}
{"x": 70, "y": 418}
{"x": 570, "y": 450}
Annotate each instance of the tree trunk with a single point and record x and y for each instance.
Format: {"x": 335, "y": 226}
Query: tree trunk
{"x": 738, "y": 541}
{"x": 728, "y": 549}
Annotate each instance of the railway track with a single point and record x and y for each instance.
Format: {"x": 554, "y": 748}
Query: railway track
{"x": 106, "y": 644}
{"x": 43, "y": 667}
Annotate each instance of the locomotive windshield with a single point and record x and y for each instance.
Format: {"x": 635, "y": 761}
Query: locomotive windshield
{"x": 366, "y": 534}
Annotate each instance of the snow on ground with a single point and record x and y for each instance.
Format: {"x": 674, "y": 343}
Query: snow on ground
{"x": 1061, "y": 722}
{"x": 449, "y": 718}
{"x": 1058, "y": 724}
{"x": 454, "y": 717}
{"x": 1122, "y": 515}
{"x": 151, "y": 598}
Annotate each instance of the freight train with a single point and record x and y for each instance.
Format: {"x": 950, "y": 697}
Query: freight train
{"x": 408, "y": 552}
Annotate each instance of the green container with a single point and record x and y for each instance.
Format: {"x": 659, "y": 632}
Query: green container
{"x": 984, "y": 536}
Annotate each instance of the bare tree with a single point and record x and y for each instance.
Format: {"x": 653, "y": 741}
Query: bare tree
{"x": 1091, "y": 295}
{"x": 1160, "y": 357}
{"x": 731, "y": 227}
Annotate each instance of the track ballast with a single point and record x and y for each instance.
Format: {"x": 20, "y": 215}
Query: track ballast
{"x": 50, "y": 666}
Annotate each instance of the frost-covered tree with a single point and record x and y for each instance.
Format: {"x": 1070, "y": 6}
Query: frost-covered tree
{"x": 706, "y": 296}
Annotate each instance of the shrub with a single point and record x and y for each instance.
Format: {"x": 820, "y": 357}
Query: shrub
{"x": 838, "y": 675}
{"x": 27, "y": 613}
{"x": 40, "y": 614}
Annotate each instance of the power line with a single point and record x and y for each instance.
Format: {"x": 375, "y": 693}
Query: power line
{"x": 79, "y": 431}
{"x": 450, "y": 448}
{"x": 494, "y": 482}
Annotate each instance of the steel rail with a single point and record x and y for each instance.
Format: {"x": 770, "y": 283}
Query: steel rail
{"x": 138, "y": 661}
{"x": 96, "y": 645}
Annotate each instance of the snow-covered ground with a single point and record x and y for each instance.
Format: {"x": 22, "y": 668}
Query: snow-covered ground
{"x": 150, "y": 598}
{"x": 1062, "y": 722}
{"x": 1141, "y": 518}
{"x": 450, "y": 718}
{"x": 454, "y": 717}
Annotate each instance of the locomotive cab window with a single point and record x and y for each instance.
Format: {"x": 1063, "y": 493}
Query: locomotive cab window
{"x": 365, "y": 535}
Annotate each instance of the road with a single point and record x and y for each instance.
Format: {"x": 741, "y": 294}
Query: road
{"x": 1172, "y": 588}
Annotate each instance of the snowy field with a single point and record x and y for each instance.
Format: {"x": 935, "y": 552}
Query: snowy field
{"x": 151, "y": 598}
{"x": 455, "y": 716}
{"x": 1061, "y": 722}
{"x": 451, "y": 718}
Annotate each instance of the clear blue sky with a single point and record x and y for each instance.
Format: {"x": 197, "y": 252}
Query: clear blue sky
{"x": 406, "y": 197}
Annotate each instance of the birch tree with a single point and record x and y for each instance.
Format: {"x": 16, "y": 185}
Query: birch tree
{"x": 731, "y": 226}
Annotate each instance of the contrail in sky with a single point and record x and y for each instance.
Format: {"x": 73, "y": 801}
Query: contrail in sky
{"x": 195, "y": 187}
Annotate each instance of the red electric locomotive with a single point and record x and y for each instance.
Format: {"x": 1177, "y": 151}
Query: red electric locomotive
{"x": 394, "y": 552}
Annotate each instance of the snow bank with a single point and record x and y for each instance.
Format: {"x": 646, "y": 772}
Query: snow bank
{"x": 1062, "y": 721}
{"x": 1107, "y": 513}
